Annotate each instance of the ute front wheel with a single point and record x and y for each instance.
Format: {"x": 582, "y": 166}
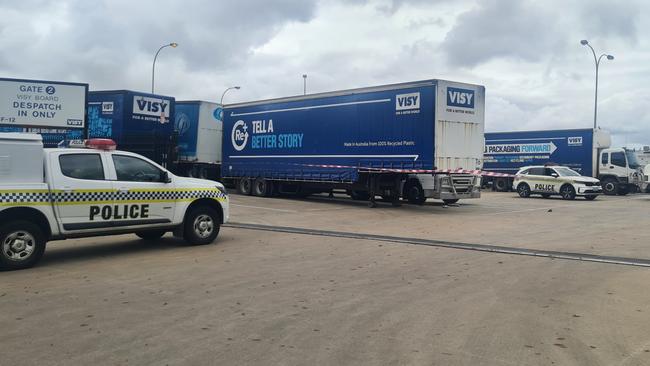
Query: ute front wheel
{"x": 22, "y": 244}
{"x": 201, "y": 226}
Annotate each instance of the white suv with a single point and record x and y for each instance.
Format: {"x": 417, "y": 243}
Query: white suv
{"x": 555, "y": 180}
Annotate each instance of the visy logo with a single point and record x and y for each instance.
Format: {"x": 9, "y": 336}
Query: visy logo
{"x": 407, "y": 101}
{"x": 151, "y": 106}
{"x": 239, "y": 135}
{"x": 574, "y": 141}
{"x": 457, "y": 97}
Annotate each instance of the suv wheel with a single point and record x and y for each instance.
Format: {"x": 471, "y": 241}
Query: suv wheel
{"x": 22, "y": 244}
{"x": 201, "y": 226}
{"x": 567, "y": 192}
{"x": 524, "y": 190}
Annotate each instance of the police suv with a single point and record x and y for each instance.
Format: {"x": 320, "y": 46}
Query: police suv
{"x": 555, "y": 180}
{"x": 52, "y": 194}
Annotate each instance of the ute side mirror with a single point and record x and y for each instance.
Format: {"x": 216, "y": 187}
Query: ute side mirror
{"x": 165, "y": 178}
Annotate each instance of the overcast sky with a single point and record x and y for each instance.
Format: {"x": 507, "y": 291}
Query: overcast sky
{"x": 526, "y": 53}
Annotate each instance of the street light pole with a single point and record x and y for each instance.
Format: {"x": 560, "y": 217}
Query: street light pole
{"x": 225, "y": 91}
{"x": 304, "y": 84}
{"x": 153, "y": 68}
{"x": 597, "y": 59}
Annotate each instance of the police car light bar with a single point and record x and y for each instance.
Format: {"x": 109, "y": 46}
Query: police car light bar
{"x": 101, "y": 144}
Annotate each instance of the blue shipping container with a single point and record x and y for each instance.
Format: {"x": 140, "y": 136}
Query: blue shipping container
{"x": 506, "y": 152}
{"x": 390, "y": 127}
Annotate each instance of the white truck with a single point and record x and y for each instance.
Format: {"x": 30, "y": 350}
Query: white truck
{"x": 54, "y": 194}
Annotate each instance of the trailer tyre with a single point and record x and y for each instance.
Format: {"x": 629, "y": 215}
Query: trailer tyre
{"x": 244, "y": 186}
{"x": 501, "y": 185}
{"x": 261, "y": 187}
{"x": 22, "y": 244}
{"x": 414, "y": 192}
{"x": 610, "y": 186}
{"x": 201, "y": 226}
{"x": 524, "y": 190}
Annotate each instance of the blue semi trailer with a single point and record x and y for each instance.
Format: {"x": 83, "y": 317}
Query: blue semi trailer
{"x": 138, "y": 122}
{"x": 199, "y": 125}
{"x": 394, "y": 141}
{"x": 586, "y": 151}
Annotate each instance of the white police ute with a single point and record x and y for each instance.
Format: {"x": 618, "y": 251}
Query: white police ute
{"x": 555, "y": 180}
{"x": 53, "y": 194}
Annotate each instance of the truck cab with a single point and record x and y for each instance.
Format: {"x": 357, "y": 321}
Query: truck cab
{"x": 619, "y": 171}
{"x": 54, "y": 194}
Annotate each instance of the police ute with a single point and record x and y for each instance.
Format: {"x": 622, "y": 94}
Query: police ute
{"x": 60, "y": 193}
{"x": 555, "y": 180}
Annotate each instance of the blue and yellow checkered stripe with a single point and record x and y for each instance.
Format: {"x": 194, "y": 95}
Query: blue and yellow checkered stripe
{"x": 88, "y": 196}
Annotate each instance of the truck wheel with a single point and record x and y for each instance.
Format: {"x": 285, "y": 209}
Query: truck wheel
{"x": 567, "y": 192}
{"x": 524, "y": 190}
{"x": 610, "y": 186}
{"x": 450, "y": 201}
{"x": 415, "y": 193}
{"x": 260, "y": 187}
{"x": 244, "y": 186}
{"x": 22, "y": 244}
{"x": 201, "y": 226}
{"x": 151, "y": 235}
{"x": 623, "y": 189}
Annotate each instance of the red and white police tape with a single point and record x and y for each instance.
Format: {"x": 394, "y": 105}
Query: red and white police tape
{"x": 412, "y": 171}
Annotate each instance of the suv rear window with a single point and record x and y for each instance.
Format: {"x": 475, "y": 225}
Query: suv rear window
{"x": 82, "y": 166}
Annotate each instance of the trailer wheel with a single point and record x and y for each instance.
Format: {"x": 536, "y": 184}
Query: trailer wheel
{"x": 414, "y": 192}
{"x": 244, "y": 186}
{"x": 501, "y": 184}
{"x": 261, "y": 187}
{"x": 610, "y": 186}
{"x": 22, "y": 244}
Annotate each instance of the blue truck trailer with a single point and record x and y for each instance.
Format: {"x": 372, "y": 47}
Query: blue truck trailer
{"x": 586, "y": 151}
{"x": 394, "y": 141}
{"x": 56, "y": 110}
{"x": 138, "y": 122}
{"x": 199, "y": 125}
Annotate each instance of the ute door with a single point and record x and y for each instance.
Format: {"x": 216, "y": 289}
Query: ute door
{"x": 80, "y": 189}
{"x": 143, "y": 196}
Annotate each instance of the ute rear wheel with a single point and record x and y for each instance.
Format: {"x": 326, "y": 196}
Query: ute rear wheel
{"x": 524, "y": 190}
{"x": 201, "y": 226}
{"x": 567, "y": 192}
{"x": 22, "y": 244}
{"x": 151, "y": 235}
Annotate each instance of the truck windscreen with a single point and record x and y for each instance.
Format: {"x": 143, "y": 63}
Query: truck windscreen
{"x": 632, "y": 159}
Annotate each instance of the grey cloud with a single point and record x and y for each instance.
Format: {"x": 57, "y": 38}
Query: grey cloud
{"x": 602, "y": 18}
{"x": 500, "y": 29}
